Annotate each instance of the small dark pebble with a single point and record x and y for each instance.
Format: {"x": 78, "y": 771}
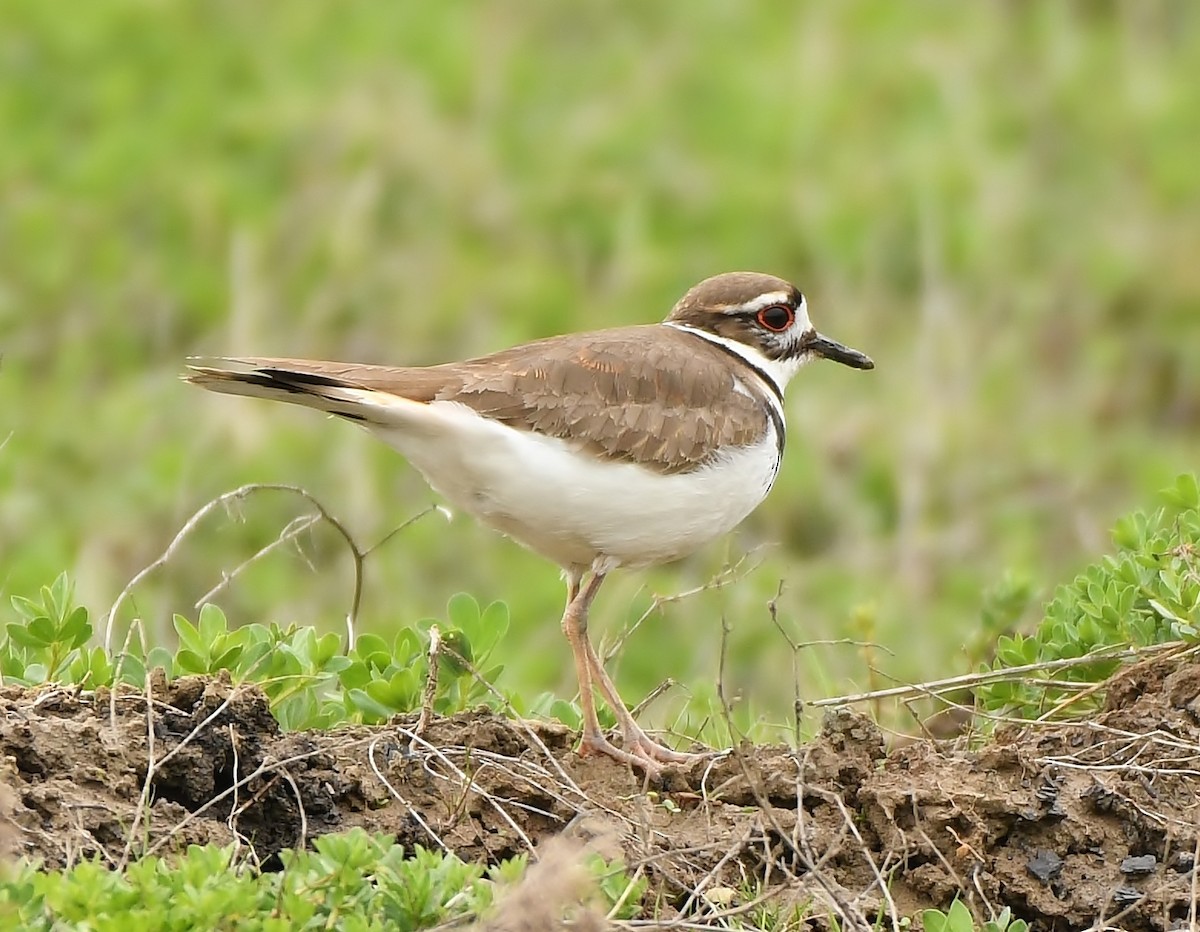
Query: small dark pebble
{"x": 1146, "y": 864}
{"x": 1126, "y": 896}
{"x": 1101, "y": 798}
{"x": 1044, "y": 866}
{"x": 1185, "y": 862}
{"x": 1047, "y": 795}
{"x": 1047, "y": 791}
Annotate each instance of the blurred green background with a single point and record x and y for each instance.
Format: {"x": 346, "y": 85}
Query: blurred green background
{"x": 999, "y": 201}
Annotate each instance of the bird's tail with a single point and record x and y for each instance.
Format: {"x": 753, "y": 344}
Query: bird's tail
{"x": 291, "y": 380}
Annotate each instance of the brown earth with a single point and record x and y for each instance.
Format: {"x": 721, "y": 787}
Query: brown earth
{"x": 1073, "y": 826}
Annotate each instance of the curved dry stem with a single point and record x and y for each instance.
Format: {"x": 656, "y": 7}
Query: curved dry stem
{"x": 290, "y": 533}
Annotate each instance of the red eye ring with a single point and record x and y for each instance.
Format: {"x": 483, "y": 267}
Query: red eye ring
{"x": 776, "y": 318}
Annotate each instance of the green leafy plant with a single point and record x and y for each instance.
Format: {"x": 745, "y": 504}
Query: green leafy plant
{"x": 1147, "y": 593}
{"x": 310, "y": 680}
{"x": 46, "y": 642}
{"x": 352, "y": 880}
{"x": 381, "y": 679}
{"x": 470, "y": 634}
{"x": 618, "y": 890}
{"x": 959, "y": 919}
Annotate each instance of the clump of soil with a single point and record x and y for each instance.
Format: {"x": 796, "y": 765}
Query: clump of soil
{"x": 1070, "y": 825}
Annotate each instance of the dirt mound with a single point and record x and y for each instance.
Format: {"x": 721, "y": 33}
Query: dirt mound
{"x": 1069, "y": 825}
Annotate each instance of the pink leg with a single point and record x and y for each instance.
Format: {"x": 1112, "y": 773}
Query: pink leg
{"x": 639, "y": 750}
{"x": 633, "y": 735}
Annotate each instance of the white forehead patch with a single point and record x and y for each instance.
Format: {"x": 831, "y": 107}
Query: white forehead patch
{"x": 804, "y": 324}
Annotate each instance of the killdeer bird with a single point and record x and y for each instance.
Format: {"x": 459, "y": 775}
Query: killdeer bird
{"x": 616, "y": 448}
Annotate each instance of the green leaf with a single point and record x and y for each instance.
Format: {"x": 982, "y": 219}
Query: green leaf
{"x": 212, "y": 623}
{"x": 406, "y": 685}
{"x": 76, "y": 629}
{"x": 362, "y": 701}
{"x": 493, "y": 625}
{"x": 130, "y": 669}
{"x": 188, "y": 661}
{"x": 462, "y": 612}
{"x": 159, "y": 658}
{"x": 99, "y": 667}
{"x": 958, "y": 918}
{"x": 373, "y": 650}
{"x": 57, "y": 597}
{"x": 26, "y": 608}
{"x": 407, "y": 647}
{"x": 189, "y": 635}
{"x": 259, "y": 660}
{"x": 20, "y": 634}
{"x": 1184, "y": 495}
{"x": 934, "y": 920}
{"x": 42, "y": 629}
{"x": 567, "y": 713}
{"x": 326, "y": 649}
{"x": 355, "y": 676}
{"x": 226, "y": 661}
{"x": 456, "y": 648}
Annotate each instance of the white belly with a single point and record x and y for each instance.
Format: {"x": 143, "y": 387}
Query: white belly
{"x": 573, "y": 509}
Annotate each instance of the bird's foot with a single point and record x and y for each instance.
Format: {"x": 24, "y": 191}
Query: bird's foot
{"x": 640, "y": 743}
{"x": 635, "y": 757}
{"x": 639, "y": 751}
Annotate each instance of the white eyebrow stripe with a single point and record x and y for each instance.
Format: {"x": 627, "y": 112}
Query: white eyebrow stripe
{"x": 757, "y": 304}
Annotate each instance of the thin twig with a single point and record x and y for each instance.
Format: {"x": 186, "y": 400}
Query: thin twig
{"x": 143, "y": 804}
{"x": 975, "y": 679}
{"x": 728, "y": 574}
{"x": 520, "y": 722}
{"x": 297, "y": 527}
{"x": 233, "y": 497}
{"x": 412, "y": 810}
{"x": 431, "y": 684}
{"x": 266, "y": 768}
{"x": 663, "y": 687}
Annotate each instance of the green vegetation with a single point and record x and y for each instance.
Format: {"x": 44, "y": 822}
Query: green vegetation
{"x": 353, "y": 881}
{"x": 1147, "y": 593}
{"x": 310, "y": 680}
{"x": 958, "y": 919}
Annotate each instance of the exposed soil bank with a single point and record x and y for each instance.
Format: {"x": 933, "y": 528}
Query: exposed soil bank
{"x": 1072, "y": 826}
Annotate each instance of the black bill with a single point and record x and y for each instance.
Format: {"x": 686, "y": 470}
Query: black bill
{"x": 838, "y": 352}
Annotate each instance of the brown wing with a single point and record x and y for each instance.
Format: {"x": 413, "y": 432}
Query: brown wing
{"x": 650, "y": 394}
{"x": 642, "y": 394}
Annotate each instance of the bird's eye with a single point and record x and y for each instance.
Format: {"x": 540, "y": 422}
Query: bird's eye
{"x": 776, "y": 318}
